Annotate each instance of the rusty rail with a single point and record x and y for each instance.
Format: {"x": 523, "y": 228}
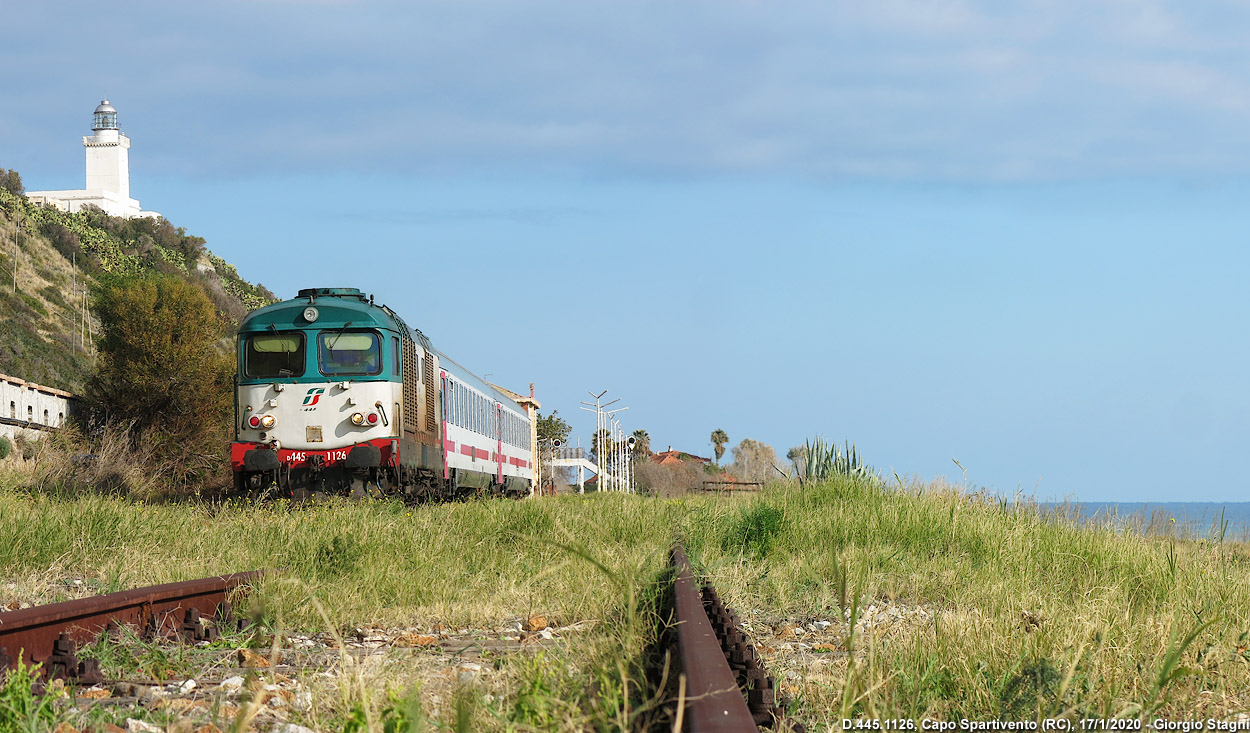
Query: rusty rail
{"x": 712, "y": 700}
{"x": 49, "y": 634}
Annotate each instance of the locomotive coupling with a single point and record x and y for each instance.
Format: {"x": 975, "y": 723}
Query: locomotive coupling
{"x": 364, "y": 456}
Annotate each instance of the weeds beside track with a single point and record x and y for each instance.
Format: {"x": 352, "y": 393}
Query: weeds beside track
{"x": 937, "y": 603}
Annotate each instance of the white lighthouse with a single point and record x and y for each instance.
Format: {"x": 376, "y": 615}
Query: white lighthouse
{"x": 108, "y": 171}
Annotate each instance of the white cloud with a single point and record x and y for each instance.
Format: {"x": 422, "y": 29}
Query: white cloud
{"x": 948, "y": 89}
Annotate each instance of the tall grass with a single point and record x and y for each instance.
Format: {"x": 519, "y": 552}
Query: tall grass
{"x": 1027, "y": 614}
{"x": 1031, "y": 615}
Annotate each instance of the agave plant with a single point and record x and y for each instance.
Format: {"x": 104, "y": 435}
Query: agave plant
{"x": 820, "y": 461}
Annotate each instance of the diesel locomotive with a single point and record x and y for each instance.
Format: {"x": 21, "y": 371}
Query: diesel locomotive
{"x": 337, "y": 395}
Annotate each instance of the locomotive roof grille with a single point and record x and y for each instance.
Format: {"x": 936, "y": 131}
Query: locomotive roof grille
{"x": 331, "y": 293}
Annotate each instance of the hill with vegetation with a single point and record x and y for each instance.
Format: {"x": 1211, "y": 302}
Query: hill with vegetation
{"x": 49, "y": 327}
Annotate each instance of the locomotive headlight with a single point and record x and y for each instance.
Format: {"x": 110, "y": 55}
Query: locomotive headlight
{"x": 268, "y": 421}
{"x": 310, "y": 314}
{"x": 358, "y": 419}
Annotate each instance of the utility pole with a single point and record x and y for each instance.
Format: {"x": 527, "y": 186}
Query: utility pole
{"x": 17, "y": 231}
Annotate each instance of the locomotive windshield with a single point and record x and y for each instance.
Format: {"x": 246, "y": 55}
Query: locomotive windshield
{"x": 270, "y": 355}
{"x": 349, "y": 353}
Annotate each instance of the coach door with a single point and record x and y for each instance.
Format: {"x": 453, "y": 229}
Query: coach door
{"x": 499, "y": 440}
{"x": 447, "y": 445}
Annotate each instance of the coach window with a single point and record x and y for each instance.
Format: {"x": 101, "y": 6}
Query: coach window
{"x": 395, "y": 351}
{"x": 346, "y": 353}
{"x": 269, "y": 355}
{"x": 13, "y": 410}
{"x": 45, "y": 417}
{"x": 30, "y": 414}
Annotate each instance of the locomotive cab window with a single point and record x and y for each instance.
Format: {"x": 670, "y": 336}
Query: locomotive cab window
{"x": 347, "y": 353}
{"x": 269, "y": 355}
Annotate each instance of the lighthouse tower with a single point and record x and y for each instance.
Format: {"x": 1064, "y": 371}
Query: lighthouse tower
{"x": 108, "y": 153}
{"x": 108, "y": 172}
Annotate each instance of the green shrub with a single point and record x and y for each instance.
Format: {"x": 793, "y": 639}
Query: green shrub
{"x": 160, "y": 372}
{"x": 6, "y": 447}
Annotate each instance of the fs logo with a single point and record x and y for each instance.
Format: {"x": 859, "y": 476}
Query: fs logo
{"x": 313, "y": 395}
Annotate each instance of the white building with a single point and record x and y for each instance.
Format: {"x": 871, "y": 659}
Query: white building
{"x": 108, "y": 172}
{"x": 32, "y": 408}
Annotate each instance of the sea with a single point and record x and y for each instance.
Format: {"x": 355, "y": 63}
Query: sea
{"x": 1182, "y": 519}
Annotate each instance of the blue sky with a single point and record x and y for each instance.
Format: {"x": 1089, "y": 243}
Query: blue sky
{"x": 1011, "y": 234}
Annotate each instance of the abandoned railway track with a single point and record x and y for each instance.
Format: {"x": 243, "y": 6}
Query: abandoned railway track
{"x": 723, "y": 683}
{"x": 50, "y": 635}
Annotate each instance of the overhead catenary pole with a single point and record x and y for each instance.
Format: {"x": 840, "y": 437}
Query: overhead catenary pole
{"x": 600, "y": 423}
{"x": 609, "y": 448}
{"x": 616, "y": 455}
{"x": 613, "y": 444}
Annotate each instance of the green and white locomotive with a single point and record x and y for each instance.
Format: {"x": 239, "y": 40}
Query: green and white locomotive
{"x": 338, "y": 395}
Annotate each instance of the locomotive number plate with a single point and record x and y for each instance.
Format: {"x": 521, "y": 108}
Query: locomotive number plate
{"x": 313, "y": 433}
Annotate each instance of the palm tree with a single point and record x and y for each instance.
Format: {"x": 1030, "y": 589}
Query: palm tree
{"x": 719, "y": 439}
{"x": 642, "y": 443}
